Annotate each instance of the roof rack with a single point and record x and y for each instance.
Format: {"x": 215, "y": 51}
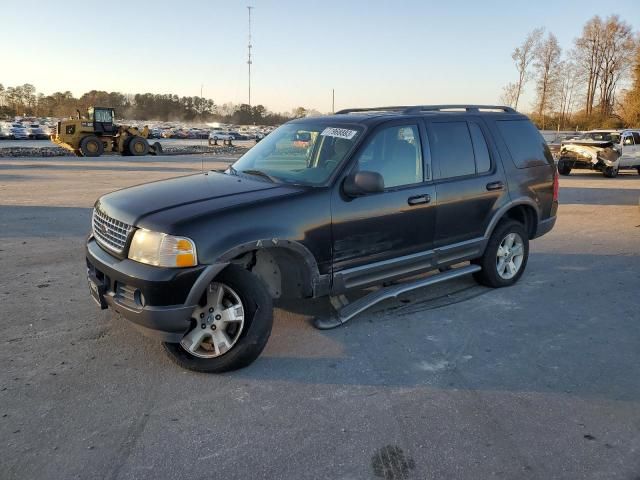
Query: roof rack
{"x": 432, "y": 108}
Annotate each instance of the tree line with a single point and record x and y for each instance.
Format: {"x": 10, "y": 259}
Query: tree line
{"x": 580, "y": 87}
{"x": 24, "y": 100}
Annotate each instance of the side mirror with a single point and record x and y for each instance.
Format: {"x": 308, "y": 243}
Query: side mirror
{"x": 363, "y": 183}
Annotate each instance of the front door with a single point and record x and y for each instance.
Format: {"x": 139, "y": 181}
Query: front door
{"x": 630, "y": 156}
{"x": 385, "y": 234}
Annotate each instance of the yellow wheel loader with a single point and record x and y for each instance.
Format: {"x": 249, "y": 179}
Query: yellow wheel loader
{"x": 96, "y": 134}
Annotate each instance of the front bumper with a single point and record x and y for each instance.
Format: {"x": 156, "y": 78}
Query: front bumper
{"x": 158, "y": 301}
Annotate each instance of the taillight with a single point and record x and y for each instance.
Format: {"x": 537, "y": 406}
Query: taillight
{"x": 556, "y": 185}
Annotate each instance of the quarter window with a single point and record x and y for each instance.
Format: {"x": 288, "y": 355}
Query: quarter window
{"x": 524, "y": 142}
{"x": 394, "y": 153}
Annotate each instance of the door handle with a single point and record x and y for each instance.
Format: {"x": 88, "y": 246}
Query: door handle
{"x": 495, "y": 186}
{"x": 419, "y": 199}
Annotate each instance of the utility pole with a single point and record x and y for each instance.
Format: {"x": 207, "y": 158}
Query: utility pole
{"x": 249, "y": 60}
{"x": 333, "y": 100}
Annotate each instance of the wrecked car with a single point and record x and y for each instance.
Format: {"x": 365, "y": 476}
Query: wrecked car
{"x": 606, "y": 151}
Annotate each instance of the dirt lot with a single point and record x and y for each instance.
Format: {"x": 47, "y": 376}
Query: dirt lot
{"x": 540, "y": 381}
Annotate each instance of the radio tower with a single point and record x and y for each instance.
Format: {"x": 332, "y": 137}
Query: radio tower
{"x": 249, "y": 60}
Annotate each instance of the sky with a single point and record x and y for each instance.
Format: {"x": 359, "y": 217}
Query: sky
{"x": 372, "y": 52}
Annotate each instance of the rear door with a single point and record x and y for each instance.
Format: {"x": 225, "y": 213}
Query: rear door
{"x": 470, "y": 182}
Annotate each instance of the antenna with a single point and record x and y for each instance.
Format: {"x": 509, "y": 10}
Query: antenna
{"x": 249, "y": 46}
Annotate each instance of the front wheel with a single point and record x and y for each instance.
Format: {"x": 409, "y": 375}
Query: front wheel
{"x": 230, "y": 327}
{"x": 610, "y": 172}
{"x": 505, "y": 257}
{"x": 138, "y": 146}
{"x": 564, "y": 168}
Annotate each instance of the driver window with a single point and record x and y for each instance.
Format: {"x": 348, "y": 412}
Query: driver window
{"x": 628, "y": 140}
{"x": 394, "y": 153}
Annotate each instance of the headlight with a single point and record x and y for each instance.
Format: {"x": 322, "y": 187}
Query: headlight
{"x": 162, "y": 250}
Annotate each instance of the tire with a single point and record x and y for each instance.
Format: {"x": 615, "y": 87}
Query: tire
{"x": 91, "y": 146}
{"x": 490, "y": 263}
{"x": 258, "y": 318}
{"x": 610, "y": 172}
{"x": 638, "y": 170}
{"x": 563, "y": 168}
{"x": 137, "y": 146}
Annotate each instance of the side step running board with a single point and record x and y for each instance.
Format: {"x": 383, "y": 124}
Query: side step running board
{"x": 351, "y": 309}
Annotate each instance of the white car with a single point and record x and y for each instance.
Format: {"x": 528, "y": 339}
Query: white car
{"x": 630, "y": 150}
{"x": 216, "y": 135}
{"x": 607, "y": 151}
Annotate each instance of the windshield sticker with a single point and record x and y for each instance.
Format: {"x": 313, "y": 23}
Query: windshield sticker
{"x": 339, "y": 132}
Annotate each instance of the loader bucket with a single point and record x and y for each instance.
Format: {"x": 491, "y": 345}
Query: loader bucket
{"x": 156, "y": 149}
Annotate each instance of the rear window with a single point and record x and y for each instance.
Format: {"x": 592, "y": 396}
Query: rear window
{"x": 525, "y": 144}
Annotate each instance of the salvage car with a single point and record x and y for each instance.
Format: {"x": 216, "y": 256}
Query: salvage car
{"x": 606, "y": 151}
{"x": 396, "y": 198}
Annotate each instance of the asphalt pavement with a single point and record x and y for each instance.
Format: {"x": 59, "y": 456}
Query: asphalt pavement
{"x": 458, "y": 381}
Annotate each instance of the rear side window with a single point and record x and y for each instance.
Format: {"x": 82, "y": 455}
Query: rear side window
{"x": 451, "y": 148}
{"x": 525, "y": 144}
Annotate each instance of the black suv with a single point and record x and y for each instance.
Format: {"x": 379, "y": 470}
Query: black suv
{"x": 365, "y": 197}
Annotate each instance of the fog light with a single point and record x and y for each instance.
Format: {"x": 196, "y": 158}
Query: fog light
{"x": 139, "y": 298}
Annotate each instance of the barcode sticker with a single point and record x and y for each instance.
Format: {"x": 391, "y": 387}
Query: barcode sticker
{"x": 339, "y": 132}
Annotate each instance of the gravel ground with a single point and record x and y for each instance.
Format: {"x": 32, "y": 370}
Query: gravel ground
{"x": 537, "y": 381}
{"x": 46, "y": 148}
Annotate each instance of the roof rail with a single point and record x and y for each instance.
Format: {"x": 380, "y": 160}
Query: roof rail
{"x": 466, "y": 108}
{"x": 372, "y": 109}
{"x": 431, "y": 108}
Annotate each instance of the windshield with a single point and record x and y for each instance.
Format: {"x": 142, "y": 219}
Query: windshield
{"x": 306, "y": 153}
{"x": 602, "y": 136}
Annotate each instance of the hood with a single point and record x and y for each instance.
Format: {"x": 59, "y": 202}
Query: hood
{"x": 592, "y": 150}
{"x": 191, "y": 194}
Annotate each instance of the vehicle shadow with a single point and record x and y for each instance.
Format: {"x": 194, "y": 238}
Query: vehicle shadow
{"x": 529, "y": 337}
{"x": 600, "y": 196}
{"x": 40, "y": 221}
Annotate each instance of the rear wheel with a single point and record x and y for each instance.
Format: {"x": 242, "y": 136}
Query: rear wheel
{"x": 564, "y": 168}
{"x": 91, "y": 146}
{"x": 230, "y": 329}
{"x": 505, "y": 257}
{"x": 138, "y": 146}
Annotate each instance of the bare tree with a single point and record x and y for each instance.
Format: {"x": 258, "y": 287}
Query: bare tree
{"x": 508, "y": 96}
{"x": 589, "y": 53}
{"x": 630, "y": 105}
{"x": 547, "y": 63}
{"x": 617, "y": 49}
{"x": 522, "y": 57}
{"x": 568, "y": 85}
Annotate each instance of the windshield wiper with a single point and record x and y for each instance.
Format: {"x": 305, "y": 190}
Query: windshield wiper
{"x": 260, "y": 173}
{"x": 232, "y": 170}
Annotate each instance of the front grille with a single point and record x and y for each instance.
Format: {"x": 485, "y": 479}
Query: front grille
{"x": 110, "y": 232}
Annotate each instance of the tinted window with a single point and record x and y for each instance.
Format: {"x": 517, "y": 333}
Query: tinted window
{"x": 394, "y": 153}
{"x": 483, "y": 161}
{"x": 636, "y": 137}
{"x": 525, "y": 144}
{"x": 452, "y": 149}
